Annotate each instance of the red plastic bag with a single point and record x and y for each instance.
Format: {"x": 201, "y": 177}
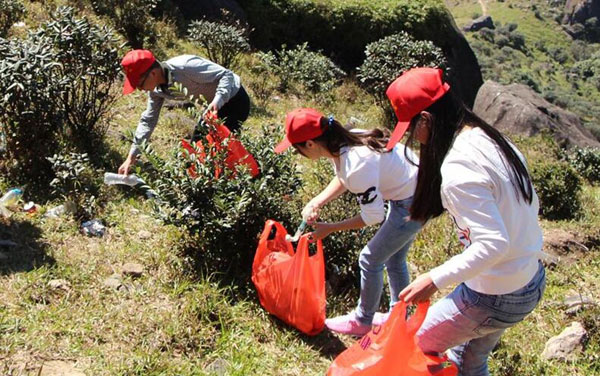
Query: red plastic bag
{"x": 392, "y": 350}
{"x": 220, "y": 136}
{"x": 290, "y": 285}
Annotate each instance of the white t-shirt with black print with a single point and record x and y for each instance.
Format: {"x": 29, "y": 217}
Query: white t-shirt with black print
{"x": 375, "y": 177}
{"x": 500, "y": 230}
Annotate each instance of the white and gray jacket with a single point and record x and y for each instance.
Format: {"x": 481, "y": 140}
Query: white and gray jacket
{"x": 201, "y": 77}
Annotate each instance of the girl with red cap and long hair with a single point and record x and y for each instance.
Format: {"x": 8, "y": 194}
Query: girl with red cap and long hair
{"x": 471, "y": 170}
{"x": 363, "y": 166}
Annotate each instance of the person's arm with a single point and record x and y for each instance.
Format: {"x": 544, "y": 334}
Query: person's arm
{"x": 322, "y": 229}
{"x": 144, "y": 130}
{"x": 334, "y": 189}
{"x": 474, "y": 203}
{"x": 205, "y": 71}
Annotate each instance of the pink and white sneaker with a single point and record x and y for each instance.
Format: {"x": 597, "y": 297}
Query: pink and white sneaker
{"x": 380, "y": 318}
{"x": 347, "y": 324}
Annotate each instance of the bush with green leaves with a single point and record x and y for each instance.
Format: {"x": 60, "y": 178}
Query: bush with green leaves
{"x": 11, "y": 11}
{"x": 558, "y": 187}
{"x": 587, "y": 163}
{"x": 313, "y": 71}
{"x": 56, "y": 84}
{"x": 133, "y": 19}
{"x": 89, "y": 57}
{"x": 29, "y": 113}
{"x": 75, "y": 181}
{"x": 222, "y": 42}
{"x": 389, "y": 57}
{"x": 224, "y": 215}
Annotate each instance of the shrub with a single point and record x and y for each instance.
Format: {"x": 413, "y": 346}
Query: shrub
{"x": 133, "y": 19}
{"x": 75, "y": 181}
{"x": 29, "y": 113}
{"x": 389, "y": 57}
{"x": 225, "y": 215}
{"x": 262, "y": 82}
{"x": 312, "y": 70}
{"x": 90, "y": 66}
{"x": 55, "y": 85}
{"x": 11, "y": 11}
{"x": 223, "y": 43}
{"x": 587, "y": 163}
{"x": 558, "y": 186}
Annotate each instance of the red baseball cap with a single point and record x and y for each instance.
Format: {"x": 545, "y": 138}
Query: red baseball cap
{"x": 412, "y": 92}
{"x": 135, "y": 63}
{"x": 301, "y": 124}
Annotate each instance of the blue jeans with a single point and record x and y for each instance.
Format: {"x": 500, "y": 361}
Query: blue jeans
{"x": 470, "y": 323}
{"x": 388, "y": 249}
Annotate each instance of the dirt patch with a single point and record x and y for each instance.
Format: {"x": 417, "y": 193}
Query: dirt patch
{"x": 569, "y": 246}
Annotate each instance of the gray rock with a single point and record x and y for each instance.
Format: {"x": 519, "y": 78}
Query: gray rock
{"x": 479, "y": 23}
{"x": 144, "y": 234}
{"x": 517, "y": 109}
{"x": 133, "y": 269}
{"x": 567, "y": 345}
{"x": 217, "y": 367}
{"x": 114, "y": 282}
{"x": 59, "y": 284}
{"x": 578, "y": 11}
{"x": 575, "y": 303}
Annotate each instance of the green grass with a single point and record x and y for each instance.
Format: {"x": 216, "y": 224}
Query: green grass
{"x": 177, "y": 320}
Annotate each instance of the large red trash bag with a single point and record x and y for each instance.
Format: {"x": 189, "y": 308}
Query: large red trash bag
{"x": 391, "y": 350}
{"x": 218, "y": 136}
{"x": 290, "y": 285}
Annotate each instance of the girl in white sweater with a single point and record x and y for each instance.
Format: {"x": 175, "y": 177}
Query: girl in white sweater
{"x": 364, "y": 167}
{"x": 471, "y": 170}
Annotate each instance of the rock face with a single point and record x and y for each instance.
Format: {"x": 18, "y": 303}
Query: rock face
{"x": 480, "y": 23}
{"x": 567, "y": 344}
{"x": 517, "y": 109}
{"x": 579, "y": 11}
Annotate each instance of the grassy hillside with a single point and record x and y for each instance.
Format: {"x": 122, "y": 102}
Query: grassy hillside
{"x": 66, "y": 306}
{"x": 547, "y": 60}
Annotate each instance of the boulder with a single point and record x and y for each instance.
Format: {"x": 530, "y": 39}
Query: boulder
{"x": 517, "y": 109}
{"x": 567, "y": 344}
{"x": 479, "y": 23}
{"x": 579, "y": 11}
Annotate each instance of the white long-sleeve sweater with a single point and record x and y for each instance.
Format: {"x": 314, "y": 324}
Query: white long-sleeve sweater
{"x": 500, "y": 232}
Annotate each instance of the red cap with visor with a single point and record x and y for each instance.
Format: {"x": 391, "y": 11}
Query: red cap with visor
{"x": 135, "y": 63}
{"x": 412, "y": 92}
{"x": 301, "y": 124}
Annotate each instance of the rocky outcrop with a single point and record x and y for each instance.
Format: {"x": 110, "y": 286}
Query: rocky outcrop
{"x": 480, "y": 23}
{"x": 517, "y": 109}
{"x": 579, "y": 11}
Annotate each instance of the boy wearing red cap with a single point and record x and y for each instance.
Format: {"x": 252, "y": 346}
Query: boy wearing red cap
{"x": 221, "y": 88}
{"x": 364, "y": 167}
{"x": 473, "y": 171}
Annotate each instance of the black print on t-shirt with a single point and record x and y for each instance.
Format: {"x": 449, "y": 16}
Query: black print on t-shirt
{"x": 365, "y": 197}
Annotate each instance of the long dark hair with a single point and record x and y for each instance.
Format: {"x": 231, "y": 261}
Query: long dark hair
{"x": 335, "y": 136}
{"x": 449, "y": 116}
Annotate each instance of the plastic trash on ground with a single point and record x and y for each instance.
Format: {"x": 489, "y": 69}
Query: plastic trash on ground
{"x": 130, "y": 180}
{"x": 66, "y": 208}
{"x": 9, "y": 200}
{"x": 93, "y": 228}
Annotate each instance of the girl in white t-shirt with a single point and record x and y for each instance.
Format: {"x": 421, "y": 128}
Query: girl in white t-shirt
{"x": 473, "y": 171}
{"x": 364, "y": 167}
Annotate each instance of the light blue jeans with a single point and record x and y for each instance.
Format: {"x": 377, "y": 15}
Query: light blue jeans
{"x": 470, "y": 323}
{"x": 388, "y": 249}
